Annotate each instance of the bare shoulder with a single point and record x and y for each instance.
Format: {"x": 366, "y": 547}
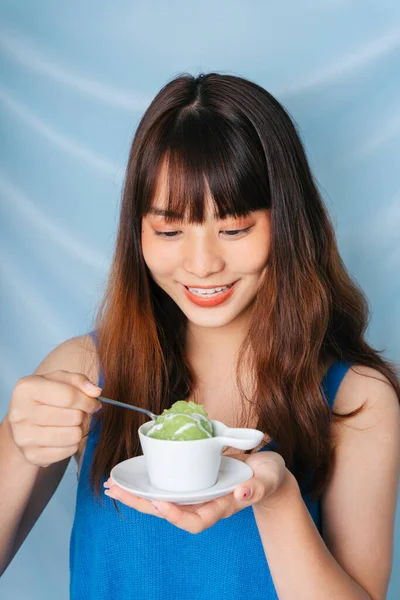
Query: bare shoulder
{"x": 77, "y": 355}
{"x": 366, "y": 385}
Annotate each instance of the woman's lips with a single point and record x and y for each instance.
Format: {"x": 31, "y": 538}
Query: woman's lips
{"x": 211, "y": 301}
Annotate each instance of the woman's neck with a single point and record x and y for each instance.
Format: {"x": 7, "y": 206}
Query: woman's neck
{"x": 213, "y": 346}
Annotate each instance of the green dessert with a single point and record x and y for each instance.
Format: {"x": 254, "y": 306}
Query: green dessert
{"x": 183, "y": 421}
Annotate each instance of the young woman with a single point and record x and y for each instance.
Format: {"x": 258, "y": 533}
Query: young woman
{"x": 226, "y": 288}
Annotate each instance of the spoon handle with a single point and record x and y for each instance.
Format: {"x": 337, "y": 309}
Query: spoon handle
{"x": 123, "y": 405}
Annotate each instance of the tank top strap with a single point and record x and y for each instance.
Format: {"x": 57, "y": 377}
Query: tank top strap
{"x": 333, "y": 378}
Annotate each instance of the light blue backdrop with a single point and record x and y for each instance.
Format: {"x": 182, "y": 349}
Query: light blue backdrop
{"x": 75, "y": 78}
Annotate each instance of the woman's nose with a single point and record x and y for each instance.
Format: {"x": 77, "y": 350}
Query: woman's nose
{"x": 202, "y": 256}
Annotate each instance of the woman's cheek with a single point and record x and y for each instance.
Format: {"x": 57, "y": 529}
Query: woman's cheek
{"x": 251, "y": 259}
{"x": 160, "y": 258}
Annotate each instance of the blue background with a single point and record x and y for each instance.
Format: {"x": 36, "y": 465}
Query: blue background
{"x": 75, "y": 79}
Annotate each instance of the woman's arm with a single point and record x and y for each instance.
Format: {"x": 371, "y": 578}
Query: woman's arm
{"x": 354, "y": 559}
{"x": 27, "y": 488}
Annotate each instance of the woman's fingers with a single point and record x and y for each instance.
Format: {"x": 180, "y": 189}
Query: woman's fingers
{"x": 200, "y": 517}
{"x": 140, "y": 504}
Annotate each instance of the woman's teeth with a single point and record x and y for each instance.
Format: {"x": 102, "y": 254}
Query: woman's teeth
{"x": 209, "y": 292}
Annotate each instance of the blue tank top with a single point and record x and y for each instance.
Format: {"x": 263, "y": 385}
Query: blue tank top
{"x": 142, "y": 557}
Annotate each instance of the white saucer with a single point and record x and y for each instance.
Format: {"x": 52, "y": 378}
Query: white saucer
{"x": 131, "y": 475}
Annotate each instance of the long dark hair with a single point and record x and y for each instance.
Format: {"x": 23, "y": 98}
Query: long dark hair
{"x": 232, "y": 135}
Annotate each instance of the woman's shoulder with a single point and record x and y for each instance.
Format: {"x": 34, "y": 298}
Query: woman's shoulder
{"x": 362, "y": 384}
{"x": 77, "y": 355}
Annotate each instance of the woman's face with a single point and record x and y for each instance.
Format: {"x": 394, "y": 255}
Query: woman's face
{"x": 182, "y": 255}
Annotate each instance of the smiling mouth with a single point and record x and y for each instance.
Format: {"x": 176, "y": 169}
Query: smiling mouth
{"x": 208, "y": 287}
{"x": 208, "y": 291}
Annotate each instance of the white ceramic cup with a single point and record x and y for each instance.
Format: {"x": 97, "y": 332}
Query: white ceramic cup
{"x": 191, "y": 465}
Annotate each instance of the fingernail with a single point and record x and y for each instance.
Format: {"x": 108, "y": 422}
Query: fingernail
{"x": 245, "y": 493}
{"x": 90, "y": 386}
{"x": 106, "y": 484}
{"x": 159, "y": 507}
{"x": 111, "y": 494}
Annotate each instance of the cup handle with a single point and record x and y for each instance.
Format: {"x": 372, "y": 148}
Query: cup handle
{"x": 241, "y": 438}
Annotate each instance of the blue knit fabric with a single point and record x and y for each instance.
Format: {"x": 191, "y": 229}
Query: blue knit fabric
{"x": 142, "y": 557}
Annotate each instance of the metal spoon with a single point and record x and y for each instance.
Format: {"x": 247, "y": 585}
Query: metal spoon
{"x": 152, "y": 416}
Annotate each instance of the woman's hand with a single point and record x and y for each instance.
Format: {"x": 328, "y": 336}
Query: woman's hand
{"x": 46, "y": 413}
{"x": 262, "y": 490}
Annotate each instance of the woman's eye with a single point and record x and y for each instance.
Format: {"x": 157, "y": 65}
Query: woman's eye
{"x": 234, "y": 232}
{"x": 229, "y": 233}
{"x": 166, "y": 233}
